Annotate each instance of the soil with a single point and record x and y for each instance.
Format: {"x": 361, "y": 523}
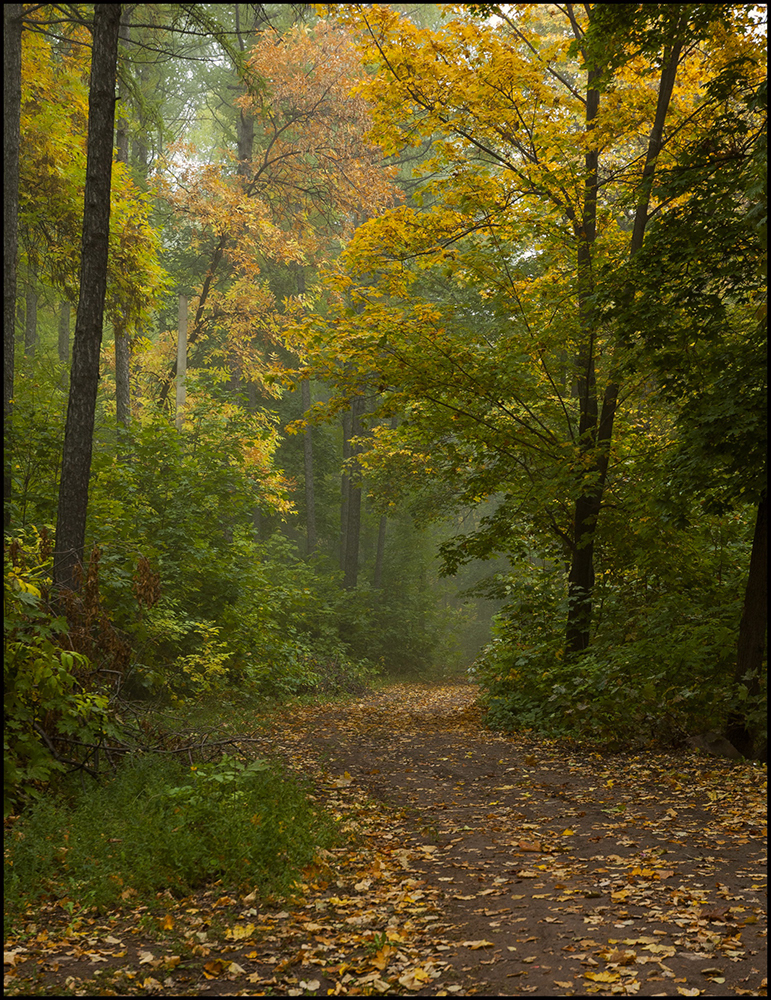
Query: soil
{"x": 481, "y": 863}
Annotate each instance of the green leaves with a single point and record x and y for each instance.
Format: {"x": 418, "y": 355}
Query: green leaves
{"x": 42, "y": 682}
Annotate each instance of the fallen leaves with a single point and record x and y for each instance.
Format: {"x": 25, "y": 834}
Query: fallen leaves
{"x": 432, "y": 895}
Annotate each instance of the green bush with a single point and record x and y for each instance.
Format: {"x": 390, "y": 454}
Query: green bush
{"x": 660, "y": 664}
{"x": 49, "y": 691}
{"x": 159, "y": 825}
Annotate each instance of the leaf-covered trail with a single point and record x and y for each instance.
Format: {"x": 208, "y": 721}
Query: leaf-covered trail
{"x": 481, "y": 864}
{"x": 530, "y": 870}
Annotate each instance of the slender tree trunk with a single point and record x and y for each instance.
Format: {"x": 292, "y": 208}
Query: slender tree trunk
{"x": 63, "y": 344}
{"x": 84, "y": 377}
{"x": 120, "y": 330}
{"x": 596, "y": 435}
{"x": 181, "y": 360}
{"x": 345, "y": 488}
{"x": 310, "y": 495}
{"x": 377, "y": 579}
{"x": 353, "y": 535}
{"x": 122, "y": 374}
{"x": 139, "y": 152}
{"x": 246, "y": 35}
{"x": 751, "y": 646}
{"x": 12, "y": 24}
{"x": 353, "y": 527}
{"x": 353, "y": 531}
{"x": 30, "y": 321}
{"x": 581, "y": 576}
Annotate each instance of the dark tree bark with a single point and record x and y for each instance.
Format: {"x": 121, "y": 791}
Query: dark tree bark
{"x": 752, "y": 635}
{"x": 596, "y": 427}
{"x": 581, "y": 576}
{"x": 12, "y": 24}
{"x": 181, "y": 398}
{"x": 84, "y": 377}
{"x": 245, "y": 36}
{"x": 120, "y": 331}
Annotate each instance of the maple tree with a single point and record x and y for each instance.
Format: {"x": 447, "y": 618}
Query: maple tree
{"x": 52, "y": 172}
{"x": 468, "y": 339}
{"x": 479, "y": 310}
{"x": 291, "y": 205}
{"x": 702, "y": 326}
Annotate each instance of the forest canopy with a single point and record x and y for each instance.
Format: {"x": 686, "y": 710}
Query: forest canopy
{"x": 414, "y": 340}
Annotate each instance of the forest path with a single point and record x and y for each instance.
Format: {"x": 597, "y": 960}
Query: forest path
{"x": 479, "y": 864}
{"x": 498, "y": 865}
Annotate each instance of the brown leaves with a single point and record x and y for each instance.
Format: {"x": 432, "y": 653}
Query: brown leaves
{"x": 672, "y": 902}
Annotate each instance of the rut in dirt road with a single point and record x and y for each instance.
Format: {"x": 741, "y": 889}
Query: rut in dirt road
{"x": 554, "y": 872}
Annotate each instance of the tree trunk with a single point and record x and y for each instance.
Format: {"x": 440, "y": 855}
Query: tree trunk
{"x": 63, "y": 344}
{"x": 310, "y": 497}
{"x": 181, "y": 360}
{"x": 140, "y": 154}
{"x": 120, "y": 331}
{"x": 595, "y": 437}
{"x": 122, "y": 375}
{"x": 84, "y": 377}
{"x": 12, "y": 23}
{"x": 353, "y": 527}
{"x": 30, "y": 321}
{"x": 752, "y": 636}
{"x": 377, "y": 579}
{"x": 581, "y": 576}
{"x": 246, "y": 35}
{"x": 345, "y": 487}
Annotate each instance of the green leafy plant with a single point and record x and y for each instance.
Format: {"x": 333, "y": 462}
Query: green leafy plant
{"x": 48, "y": 690}
{"x": 158, "y": 825}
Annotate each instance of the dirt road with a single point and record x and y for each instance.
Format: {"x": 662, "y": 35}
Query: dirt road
{"x": 476, "y": 864}
{"x": 543, "y": 871}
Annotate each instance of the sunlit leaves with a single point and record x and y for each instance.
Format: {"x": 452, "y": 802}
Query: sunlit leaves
{"x": 311, "y": 176}
{"x": 54, "y": 122}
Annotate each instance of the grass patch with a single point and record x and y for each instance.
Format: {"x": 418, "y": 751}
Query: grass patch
{"x": 160, "y": 825}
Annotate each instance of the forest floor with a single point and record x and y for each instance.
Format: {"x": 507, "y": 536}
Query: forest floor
{"x": 480, "y": 863}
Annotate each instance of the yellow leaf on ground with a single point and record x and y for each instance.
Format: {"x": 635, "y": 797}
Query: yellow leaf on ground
{"x": 239, "y": 932}
{"x": 415, "y": 979}
{"x": 602, "y": 977}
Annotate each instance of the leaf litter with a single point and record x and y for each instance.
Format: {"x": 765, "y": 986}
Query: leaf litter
{"x": 476, "y": 863}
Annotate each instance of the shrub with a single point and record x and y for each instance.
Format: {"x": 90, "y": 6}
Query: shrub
{"x": 50, "y": 694}
{"x": 158, "y": 825}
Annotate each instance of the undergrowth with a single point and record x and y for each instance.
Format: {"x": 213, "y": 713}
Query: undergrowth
{"x": 160, "y": 826}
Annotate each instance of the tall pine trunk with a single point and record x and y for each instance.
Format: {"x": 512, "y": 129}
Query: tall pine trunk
{"x": 84, "y": 376}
